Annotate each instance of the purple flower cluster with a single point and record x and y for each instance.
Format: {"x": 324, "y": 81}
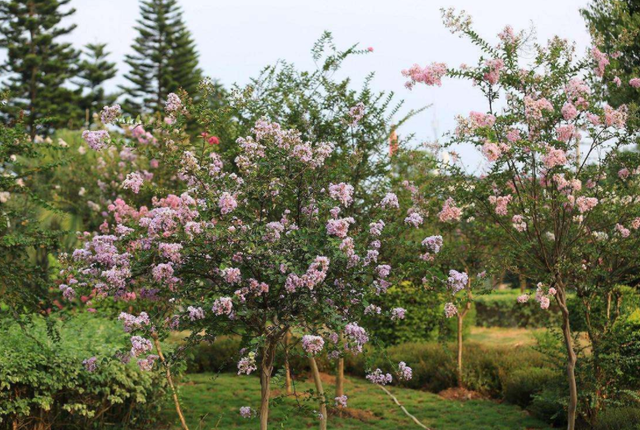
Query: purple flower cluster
{"x": 140, "y": 346}
{"x": 132, "y": 322}
{"x": 96, "y": 139}
{"x": 404, "y": 372}
{"x": 457, "y": 280}
{"x": 356, "y": 337}
{"x": 377, "y": 377}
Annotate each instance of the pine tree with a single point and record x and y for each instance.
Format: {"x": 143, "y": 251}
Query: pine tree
{"x": 165, "y": 57}
{"x": 38, "y": 64}
{"x": 94, "y": 71}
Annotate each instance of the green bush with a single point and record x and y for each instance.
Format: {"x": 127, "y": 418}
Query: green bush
{"x": 627, "y": 418}
{"x": 43, "y": 380}
{"x": 218, "y": 356}
{"x": 522, "y": 385}
{"x": 424, "y": 320}
{"x": 501, "y": 309}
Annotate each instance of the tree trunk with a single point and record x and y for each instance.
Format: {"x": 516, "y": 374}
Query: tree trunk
{"x": 459, "y": 367}
{"x": 571, "y": 360}
{"x": 523, "y": 283}
{"x": 340, "y": 378}
{"x": 287, "y": 367}
{"x": 320, "y": 389}
{"x": 266, "y": 367}
{"x": 174, "y": 392}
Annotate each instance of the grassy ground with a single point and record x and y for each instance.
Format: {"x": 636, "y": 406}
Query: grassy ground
{"x": 503, "y": 336}
{"x": 213, "y": 402}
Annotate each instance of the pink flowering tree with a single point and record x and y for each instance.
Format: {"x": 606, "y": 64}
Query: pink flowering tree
{"x": 255, "y": 248}
{"x": 558, "y": 181}
{"x": 457, "y": 252}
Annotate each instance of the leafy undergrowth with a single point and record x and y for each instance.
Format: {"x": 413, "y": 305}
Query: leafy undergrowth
{"x": 213, "y": 401}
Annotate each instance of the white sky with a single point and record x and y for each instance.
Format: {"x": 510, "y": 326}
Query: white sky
{"x": 236, "y": 38}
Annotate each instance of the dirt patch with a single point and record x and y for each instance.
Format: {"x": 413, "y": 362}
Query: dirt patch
{"x": 460, "y": 394}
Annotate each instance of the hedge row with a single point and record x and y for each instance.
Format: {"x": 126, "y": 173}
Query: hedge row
{"x": 43, "y": 383}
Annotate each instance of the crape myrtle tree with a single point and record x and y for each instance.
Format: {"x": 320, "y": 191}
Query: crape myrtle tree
{"x": 615, "y": 26}
{"x": 38, "y": 64}
{"x": 359, "y": 122}
{"x": 255, "y": 249}
{"x": 567, "y": 222}
{"x": 457, "y": 257}
{"x": 164, "y": 61}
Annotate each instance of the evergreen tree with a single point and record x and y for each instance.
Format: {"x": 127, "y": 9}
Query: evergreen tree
{"x": 165, "y": 57}
{"x": 39, "y": 66}
{"x": 95, "y": 70}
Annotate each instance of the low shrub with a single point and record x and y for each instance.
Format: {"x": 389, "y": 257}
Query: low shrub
{"x": 500, "y": 308}
{"x": 43, "y": 383}
{"x": 626, "y": 418}
{"x": 424, "y": 320}
{"x": 521, "y": 386}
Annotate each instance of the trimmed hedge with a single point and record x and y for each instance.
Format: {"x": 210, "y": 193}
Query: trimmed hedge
{"x": 500, "y": 308}
{"x": 488, "y": 369}
{"x": 43, "y": 383}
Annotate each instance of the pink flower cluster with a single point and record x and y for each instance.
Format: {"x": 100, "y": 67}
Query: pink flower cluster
{"x": 356, "y": 113}
{"x": 449, "y": 211}
{"x": 585, "y": 204}
{"x": 316, "y": 274}
{"x": 339, "y": 227}
{"x": 133, "y": 182}
{"x": 493, "y": 74}
{"x": 312, "y": 344}
{"x": 222, "y": 306}
{"x": 390, "y": 200}
{"x": 554, "y": 157}
{"x": 341, "y": 192}
{"x": 429, "y": 75}
{"x": 501, "y": 203}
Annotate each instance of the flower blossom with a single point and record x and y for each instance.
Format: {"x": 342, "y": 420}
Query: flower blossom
{"x": 390, "y": 201}
{"x": 429, "y": 75}
{"x": 341, "y": 192}
{"x": 457, "y": 280}
{"x": 449, "y": 211}
{"x": 227, "y": 203}
{"x": 405, "y": 373}
{"x": 585, "y": 204}
{"x": 312, "y": 344}
{"x": 450, "y": 310}
{"x": 379, "y": 378}
{"x": 222, "y": 306}
{"x": 97, "y": 139}
{"x": 133, "y": 182}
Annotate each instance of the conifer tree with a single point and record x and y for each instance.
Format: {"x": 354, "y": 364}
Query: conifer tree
{"x": 165, "y": 57}
{"x": 38, "y": 64}
{"x": 94, "y": 71}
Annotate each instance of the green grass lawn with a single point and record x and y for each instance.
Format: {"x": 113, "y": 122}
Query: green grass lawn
{"x": 212, "y": 402}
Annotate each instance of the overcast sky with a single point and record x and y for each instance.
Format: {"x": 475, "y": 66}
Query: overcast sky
{"x": 236, "y": 38}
